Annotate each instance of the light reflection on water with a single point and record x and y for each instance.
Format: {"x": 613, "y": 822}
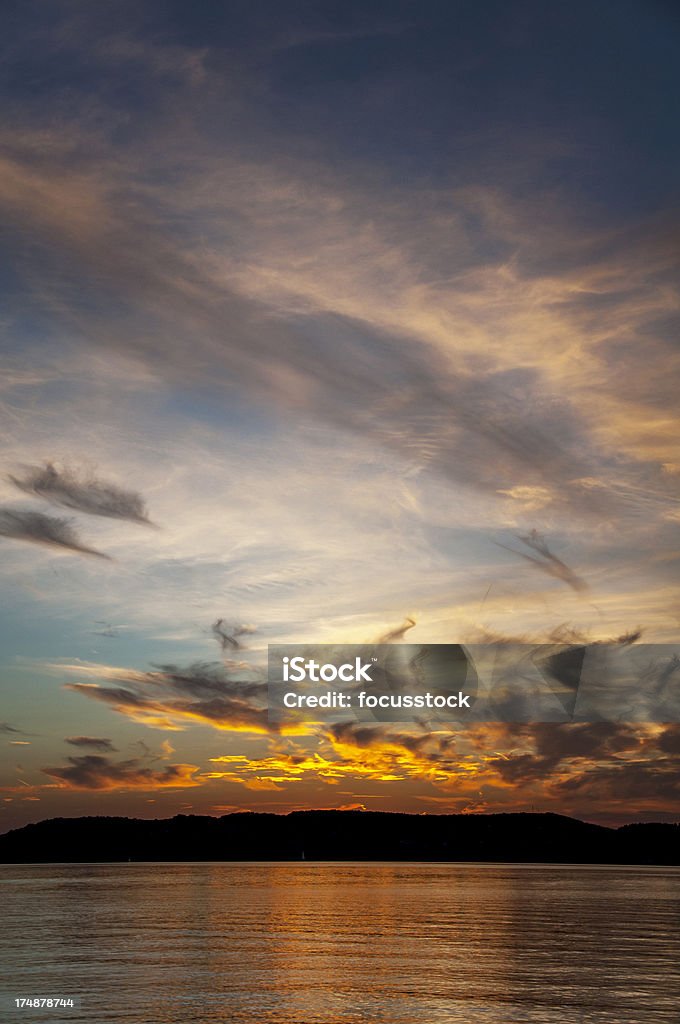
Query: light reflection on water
{"x": 306, "y": 943}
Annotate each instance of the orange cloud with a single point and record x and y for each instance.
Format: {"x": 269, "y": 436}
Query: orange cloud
{"x": 170, "y": 697}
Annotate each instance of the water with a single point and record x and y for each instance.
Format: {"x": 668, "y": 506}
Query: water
{"x": 323, "y": 943}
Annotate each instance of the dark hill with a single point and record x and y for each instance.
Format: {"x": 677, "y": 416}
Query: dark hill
{"x": 342, "y": 835}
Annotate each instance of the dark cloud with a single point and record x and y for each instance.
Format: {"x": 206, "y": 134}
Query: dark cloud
{"x": 521, "y": 768}
{"x": 37, "y": 528}
{"x": 669, "y": 740}
{"x": 358, "y": 735}
{"x": 656, "y": 781}
{"x": 554, "y": 743}
{"x": 92, "y": 771}
{"x": 588, "y": 739}
{"x": 206, "y": 679}
{"x": 227, "y": 634}
{"x": 94, "y": 742}
{"x": 630, "y": 637}
{"x": 6, "y": 727}
{"x": 205, "y": 693}
{"x": 548, "y": 562}
{"x": 84, "y": 494}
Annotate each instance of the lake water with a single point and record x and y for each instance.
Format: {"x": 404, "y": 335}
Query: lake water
{"x": 324, "y": 943}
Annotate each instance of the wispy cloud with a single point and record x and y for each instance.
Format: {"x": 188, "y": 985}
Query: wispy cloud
{"x": 227, "y": 635}
{"x": 547, "y": 561}
{"x": 6, "y": 727}
{"x": 172, "y": 697}
{"x": 398, "y": 386}
{"x": 93, "y": 742}
{"x": 37, "y": 528}
{"x": 84, "y": 494}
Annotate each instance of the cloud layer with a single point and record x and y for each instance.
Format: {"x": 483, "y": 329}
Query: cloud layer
{"x": 385, "y": 337}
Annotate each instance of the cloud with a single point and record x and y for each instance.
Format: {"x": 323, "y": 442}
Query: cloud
{"x": 365, "y": 736}
{"x": 6, "y": 727}
{"x": 227, "y": 635}
{"x": 171, "y": 697}
{"x": 668, "y": 740}
{"x": 548, "y": 562}
{"x": 554, "y": 743}
{"x": 84, "y": 494}
{"x": 386, "y": 754}
{"x": 37, "y": 528}
{"x": 637, "y": 783}
{"x": 383, "y": 764}
{"x": 94, "y": 742}
{"x": 92, "y": 771}
{"x": 343, "y": 363}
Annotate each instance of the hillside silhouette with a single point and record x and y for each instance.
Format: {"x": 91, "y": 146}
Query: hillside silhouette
{"x": 342, "y": 835}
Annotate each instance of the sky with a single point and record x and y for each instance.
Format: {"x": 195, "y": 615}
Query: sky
{"x": 329, "y": 322}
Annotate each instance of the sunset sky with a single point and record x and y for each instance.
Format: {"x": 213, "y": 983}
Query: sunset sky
{"x": 312, "y": 312}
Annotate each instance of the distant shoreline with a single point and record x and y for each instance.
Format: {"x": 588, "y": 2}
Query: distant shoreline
{"x": 343, "y": 836}
{"x": 334, "y": 863}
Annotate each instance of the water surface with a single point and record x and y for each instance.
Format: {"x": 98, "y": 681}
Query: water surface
{"x": 339, "y": 943}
